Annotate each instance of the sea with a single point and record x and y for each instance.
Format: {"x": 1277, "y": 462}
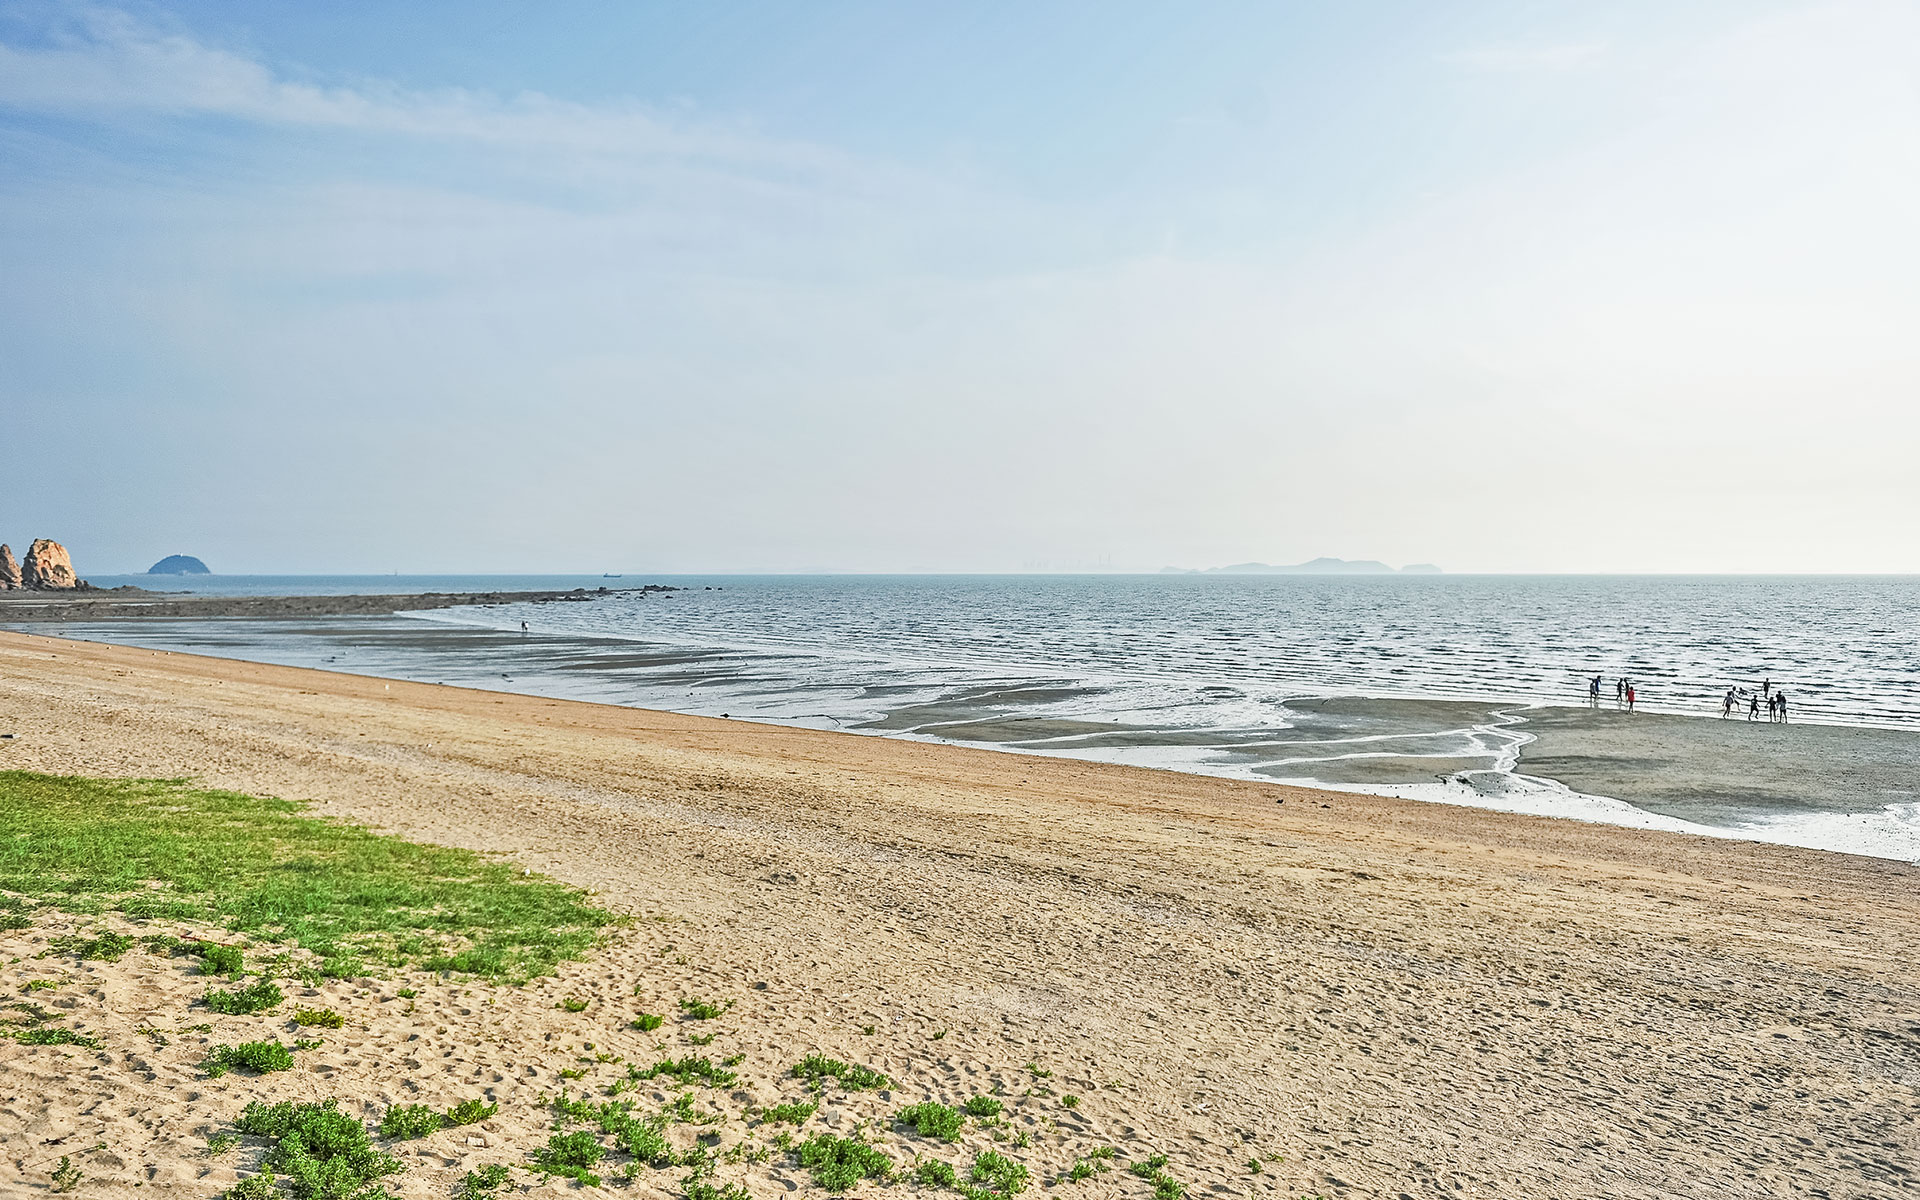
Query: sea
{"x": 1414, "y": 686}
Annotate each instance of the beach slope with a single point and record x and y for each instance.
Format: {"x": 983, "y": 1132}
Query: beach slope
{"x": 1388, "y": 997}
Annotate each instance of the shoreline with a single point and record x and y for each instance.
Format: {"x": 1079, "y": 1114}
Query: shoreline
{"x": 1239, "y": 967}
{"x": 1804, "y": 784}
{"x": 63, "y": 607}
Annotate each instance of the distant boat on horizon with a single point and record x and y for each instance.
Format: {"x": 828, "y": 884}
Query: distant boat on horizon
{"x": 609, "y": 575}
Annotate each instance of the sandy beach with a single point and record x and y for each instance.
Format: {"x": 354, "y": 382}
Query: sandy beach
{"x": 1372, "y": 997}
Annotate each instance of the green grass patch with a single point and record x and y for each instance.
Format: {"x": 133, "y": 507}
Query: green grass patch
{"x": 258, "y": 996}
{"x": 572, "y": 1004}
{"x": 54, "y": 1037}
{"x": 839, "y": 1163}
{"x": 406, "y": 1121}
{"x": 984, "y": 1107}
{"x": 934, "y": 1173}
{"x": 254, "y": 1187}
{"x": 258, "y": 866}
{"x": 704, "y": 1010}
{"x": 105, "y": 945}
{"x": 795, "y": 1113}
{"x": 816, "y": 1068}
{"x": 471, "y": 1112}
{"x": 933, "y": 1119}
{"x": 648, "y": 1022}
{"x": 261, "y": 1058}
{"x": 707, "y": 1189}
{"x": 318, "y": 1018}
{"x": 325, "y": 1154}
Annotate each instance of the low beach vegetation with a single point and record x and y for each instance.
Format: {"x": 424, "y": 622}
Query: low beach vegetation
{"x": 258, "y": 996}
{"x": 258, "y": 1058}
{"x": 572, "y": 1004}
{"x": 482, "y": 1182}
{"x": 818, "y": 1068}
{"x": 220, "y": 1143}
{"x": 933, "y": 1119}
{"x": 934, "y": 1173}
{"x": 104, "y": 945}
{"x": 687, "y": 1071}
{"x": 161, "y": 849}
{"x": 318, "y": 1018}
{"x": 216, "y": 959}
{"x": 704, "y": 1010}
{"x": 838, "y": 1164}
{"x": 998, "y": 1173}
{"x": 791, "y": 1113}
{"x": 324, "y": 1153}
{"x": 648, "y": 1022}
{"x": 984, "y": 1107}
{"x": 471, "y": 1112}
{"x": 571, "y": 1156}
{"x": 55, "y": 1037}
{"x": 254, "y": 1187}
{"x": 66, "y": 1176}
{"x": 404, "y": 1122}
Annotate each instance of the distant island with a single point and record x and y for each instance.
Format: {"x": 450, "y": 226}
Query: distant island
{"x": 1319, "y": 566}
{"x": 179, "y": 564}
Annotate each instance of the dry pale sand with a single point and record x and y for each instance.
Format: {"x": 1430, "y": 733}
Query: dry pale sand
{"x": 1400, "y": 999}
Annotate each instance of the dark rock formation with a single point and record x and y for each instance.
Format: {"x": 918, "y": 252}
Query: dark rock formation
{"x": 47, "y": 567}
{"x": 9, "y": 569}
{"x": 179, "y": 564}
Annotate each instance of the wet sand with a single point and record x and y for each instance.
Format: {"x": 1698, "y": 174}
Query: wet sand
{"x": 1399, "y": 998}
{"x": 135, "y": 604}
{"x": 1722, "y": 772}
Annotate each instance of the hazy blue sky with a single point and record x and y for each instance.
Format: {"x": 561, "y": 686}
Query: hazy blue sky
{"x": 697, "y": 286}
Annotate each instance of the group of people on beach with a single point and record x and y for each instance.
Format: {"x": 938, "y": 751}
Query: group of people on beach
{"x": 1623, "y": 696}
{"x": 1776, "y": 699}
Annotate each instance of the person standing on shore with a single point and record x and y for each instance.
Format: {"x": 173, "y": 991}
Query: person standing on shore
{"x": 1753, "y": 706}
{"x": 1726, "y": 705}
{"x": 1780, "y": 698}
{"x": 1629, "y": 697}
{"x": 1593, "y": 692}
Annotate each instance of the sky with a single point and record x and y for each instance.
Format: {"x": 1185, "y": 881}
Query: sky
{"x": 646, "y": 287}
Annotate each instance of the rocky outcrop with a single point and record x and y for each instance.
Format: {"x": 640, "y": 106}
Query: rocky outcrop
{"x": 9, "y": 569}
{"x": 47, "y": 567}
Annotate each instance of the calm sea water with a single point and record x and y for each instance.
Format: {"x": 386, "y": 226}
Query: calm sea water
{"x": 1202, "y": 673}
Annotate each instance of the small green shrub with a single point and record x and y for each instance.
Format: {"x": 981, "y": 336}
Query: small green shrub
{"x": 573, "y": 1073}
{"x": 686, "y": 1071}
{"x": 1168, "y": 1188}
{"x": 318, "y": 1018}
{"x": 572, "y": 1005}
{"x": 1070, "y": 1101}
{"x": 257, "y": 996}
{"x": 104, "y": 944}
{"x": 1150, "y": 1166}
{"x": 54, "y": 1037}
{"x": 648, "y": 1022}
{"x": 66, "y": 1176}
{"x": 40, "y": 985}
{"x": 406, "y": 1121}
{"x": 216, "y": 959}
{"x": 253, "y": 1187}
{"x": 325, "y": 1154}
{"x": 571, "y": 1156}
{"x": 702, "y": 1010}
{"x": 469, "y": 1112}
{"x": 406, "y": 993}
{"x": 838, "y": 1163}
{"x": 795, "y": 1113}
{"x": 644, "y": 1140}
{"x": 933, "y": 1119}
{"x": 260, "y": 1058}
{"x": 702, "y": 1039}
{"x": 999, "y": 1173}
{"x": 933, "y": 1172}
{"x": 481, "y": 1183}
{"x": 220, "y": 1143}
{"x": 983, "y": 1107}
{"x": 817, "y": 1067}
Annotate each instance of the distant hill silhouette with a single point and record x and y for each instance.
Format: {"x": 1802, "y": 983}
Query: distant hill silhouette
{"x": 179, "y": 564}
{"x": 1319, "y": 566}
